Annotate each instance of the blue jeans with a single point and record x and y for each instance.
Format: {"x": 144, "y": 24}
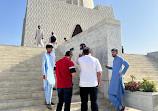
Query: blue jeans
{"x": 64, "y": 95}
{"x": 84, "y": 92}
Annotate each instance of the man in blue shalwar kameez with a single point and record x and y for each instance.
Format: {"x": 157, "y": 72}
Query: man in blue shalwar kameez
{"x": 48, "y": 75}
{"x": 116, "y": 87}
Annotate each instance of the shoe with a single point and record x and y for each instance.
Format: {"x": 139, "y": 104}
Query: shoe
{"x": 52, "y": 103}
{"x": 123, "y": 108}
{"x": 49, "y": 107}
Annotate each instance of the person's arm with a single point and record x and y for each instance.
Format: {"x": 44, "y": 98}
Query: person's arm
{"x": 72, "y": 69}
{"x": 108, "y": 67}
{"x": 36, "y": 35}
{"x": 54, "y": 70}
{"x": 73, "y": 74}
{"x": 125, "y": 68}
{"x": 99, "y": 75}
{"x": 99, "y": 72}
{"x": 44, "y": 67}
{"x": 77, "y": 62}
{"x": 42, "y": 35}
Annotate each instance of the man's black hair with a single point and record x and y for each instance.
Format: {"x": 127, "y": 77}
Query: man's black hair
{"x": 87, "y": 50}
{"x": 82, "y": 46}
{"x": 64, "y": 38}
{"x": 52, "y": 39}
{"x": 49, "y": 46}
{"x": 114, "y": 49}
{"x": 68, "y": 53}
{"x": 72, "y": 49}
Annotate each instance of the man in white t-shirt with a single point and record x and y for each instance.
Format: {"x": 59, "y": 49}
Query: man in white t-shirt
{"x": 90, "y": 78}
{"x": 53, "y": 35}
{"x": 53, "y": 43}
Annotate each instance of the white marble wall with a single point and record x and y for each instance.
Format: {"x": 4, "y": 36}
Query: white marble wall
{"x": 144, "y": 101}
{"x": 153, "y": 55}
{"x": 100, "y": 39}
{"x": 59, "y": 17}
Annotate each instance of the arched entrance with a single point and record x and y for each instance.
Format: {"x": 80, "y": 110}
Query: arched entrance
{"x": 77, "y": 30}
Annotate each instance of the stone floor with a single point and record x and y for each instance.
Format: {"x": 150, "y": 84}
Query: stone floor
{"x": 131, "y": 109}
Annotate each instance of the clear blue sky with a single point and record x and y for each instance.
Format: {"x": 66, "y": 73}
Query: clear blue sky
{"x": 139, "y": 20}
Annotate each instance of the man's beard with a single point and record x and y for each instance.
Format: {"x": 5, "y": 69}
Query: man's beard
{"x": 114, "y": 55}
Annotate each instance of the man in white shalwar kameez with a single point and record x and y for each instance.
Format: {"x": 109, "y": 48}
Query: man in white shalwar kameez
{"x": 48, "y": 75}
{"x": 39, "y": 39}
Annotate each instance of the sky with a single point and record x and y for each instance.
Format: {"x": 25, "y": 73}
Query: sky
{"x": 139, "y": 23}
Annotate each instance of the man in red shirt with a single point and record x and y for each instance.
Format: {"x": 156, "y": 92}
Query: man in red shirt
{"x": 64, "y": 70}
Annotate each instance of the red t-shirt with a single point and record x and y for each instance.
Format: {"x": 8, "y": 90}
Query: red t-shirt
{"x": 63, "y": 74}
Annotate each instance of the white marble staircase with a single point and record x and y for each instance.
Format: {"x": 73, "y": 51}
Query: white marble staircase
{"x": 141, "y": 66}
{"x": 21, "y": 85}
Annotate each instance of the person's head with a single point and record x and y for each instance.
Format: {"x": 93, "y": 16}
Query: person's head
{"x": 82, "y": 46}
{"x": 87, "y": 51}
{"x": 52, "y": 39}
{"x": 39, "y": 27}
{"x": 64, "y": 38}
{"x": 49, "y": 48}
{"x": 69, "y": 54}
{"x": 52, "y": 33}
{"x": 114, "y": 52}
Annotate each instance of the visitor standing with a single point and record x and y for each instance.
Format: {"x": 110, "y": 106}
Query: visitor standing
{"x": 116, "y": 87}
{"x": 90, "y": 78}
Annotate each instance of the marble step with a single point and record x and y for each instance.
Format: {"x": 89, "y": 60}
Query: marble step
{"x": 26, "y": 55}
{"x": 17, "y": 104}
{"x": 30, "y": 94}
{"x": 15, "y": 89}
{"x": 19, "y": 73}
{"x": 15, "y": 78}
{"x": 24, "y": 83}
{"x": 140, "y": 77}
{"x": 5, "y": 104}
{"x": 21, "y": 61}
{"x": 143, "y": 66}
{"x": 32, "y": 88}
{"x": 75, "y": 106}
{"x": 22, "y": 95}
{"x": 143, "y": 73}
{"x": 28, "y": 78}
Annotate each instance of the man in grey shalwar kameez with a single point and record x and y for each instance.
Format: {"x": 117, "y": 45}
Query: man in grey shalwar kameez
{"x": 116, "y": 87}
{"x": 39, "y": 39}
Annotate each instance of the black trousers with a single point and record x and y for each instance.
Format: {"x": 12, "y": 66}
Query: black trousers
{"x": 64, "y": 95}
{"x": 93, "y": 92}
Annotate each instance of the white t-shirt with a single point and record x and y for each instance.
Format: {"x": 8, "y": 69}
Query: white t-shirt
{"x": 55, "y": 45}
{"x": 88, "y": 74}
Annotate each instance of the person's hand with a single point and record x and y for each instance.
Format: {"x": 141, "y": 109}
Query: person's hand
{"x": 80, "y": 55}
{"x": 44, "y": 76}
{"x": 98, "y": 84}
{"x": 120, "y": 73}
{"x": 106, "y": 66}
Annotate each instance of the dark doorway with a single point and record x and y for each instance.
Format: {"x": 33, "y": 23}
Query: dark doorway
{"x": 77, "y": 30}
